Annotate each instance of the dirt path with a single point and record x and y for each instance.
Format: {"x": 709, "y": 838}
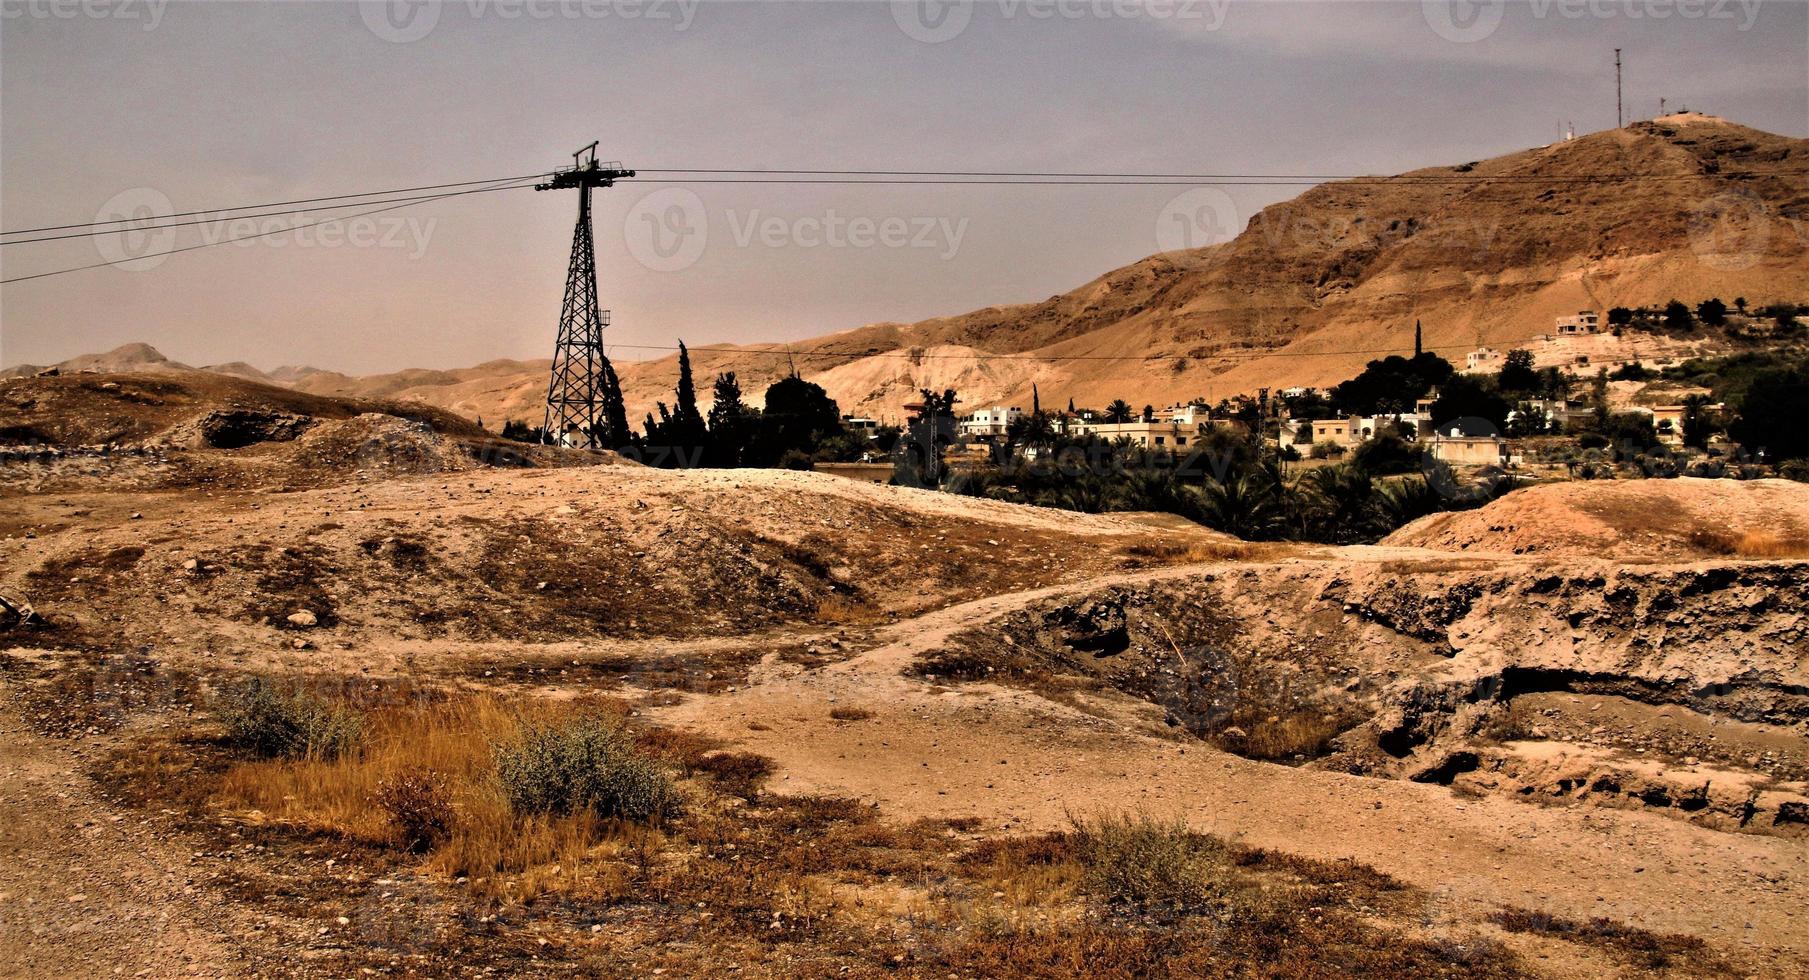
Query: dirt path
{"x": 87, "y": 889}
{"x": 1012, "y": 756}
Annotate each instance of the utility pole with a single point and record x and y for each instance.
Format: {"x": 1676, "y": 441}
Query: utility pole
{"x": 1619, "y": 117}
{"x": 573, "y": 413}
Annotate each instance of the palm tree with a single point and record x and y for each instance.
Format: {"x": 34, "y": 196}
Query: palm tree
{"x": 1119, "y": 411}
{"x": 1247, "y": 506}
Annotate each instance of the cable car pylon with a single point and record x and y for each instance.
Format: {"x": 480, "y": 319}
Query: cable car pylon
{"x": 582, "y": 377}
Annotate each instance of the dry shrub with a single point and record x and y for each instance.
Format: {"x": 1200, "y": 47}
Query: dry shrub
{"x": 850, "y": 714}
{"x": 1199, "y": 552}
{"x": 294, "y": 724}
{"x": 1304, "y": 733}
{"x": 583, "y": 763}
{"x": 1146, "y": 862}
{"x": 417, "y": 804}
{"x": 737, "y": 773}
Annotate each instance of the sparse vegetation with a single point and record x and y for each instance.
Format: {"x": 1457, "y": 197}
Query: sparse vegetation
{"x": 273, "y": 723}
{"x": 584, "y": 763}
{"x": 1638, "y": 947}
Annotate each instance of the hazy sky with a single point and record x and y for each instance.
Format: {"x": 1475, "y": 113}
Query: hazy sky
{"x": 150, "y": 107}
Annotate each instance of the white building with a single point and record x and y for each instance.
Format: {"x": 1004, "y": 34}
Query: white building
{"x": 864, "y": 426}
{"x": 988, "y": 423}
{"x": 1482, "y": 358}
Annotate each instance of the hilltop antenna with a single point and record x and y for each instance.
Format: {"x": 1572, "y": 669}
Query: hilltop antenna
{"x": 573, "y": 392}
{"x": 1619, "y": 118}
{"x": 1661, "y": 105}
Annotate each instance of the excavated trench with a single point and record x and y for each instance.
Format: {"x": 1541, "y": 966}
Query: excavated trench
{"x": 1426, "y": 673}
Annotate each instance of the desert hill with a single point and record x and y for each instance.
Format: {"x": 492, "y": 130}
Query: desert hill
{"x": 1305, "y": 294}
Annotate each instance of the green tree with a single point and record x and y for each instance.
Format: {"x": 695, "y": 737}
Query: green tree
{"x": 732, "y": 423}
{"x": 1677, "y": 318}
{"x": 1712, "y": 312}
{"x": 615, "y": 410}
{"x": 1772, "y": 414}
{"x": 1392, "y": 383}
{"x": 1119, "y": 411}
{"x": 798, "y": 416}
{"x": 1463, "y": 396}
{"x": 1517, "y": 374}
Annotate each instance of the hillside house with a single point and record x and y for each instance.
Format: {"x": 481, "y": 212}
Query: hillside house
{"x": 990, "y": 423}
{"x": 1585, "y": 323}
{"x": 1483, "y": 359}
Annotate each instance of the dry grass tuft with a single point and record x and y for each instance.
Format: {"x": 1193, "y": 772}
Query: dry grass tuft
{"x": 850, "y": 714}
{"x": 842, "y": 611}
{"x": 1749, "y": 544}
{"x": 1639, "y": 947}
{"x": 361, "y": 795}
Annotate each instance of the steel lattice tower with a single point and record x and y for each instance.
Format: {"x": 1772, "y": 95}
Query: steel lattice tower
{"x": 573, "y": 409}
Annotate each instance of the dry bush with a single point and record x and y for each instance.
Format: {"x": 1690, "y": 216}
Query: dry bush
{"x": 583, "y": 763}
{"x": 1201, "y": 552}
{"x": 418, "y": 807}
{"x": 737, "y": 773}
{"x": 1303, "y": 733}
{"x": 273, "y": 724}
{"x": 1146, "y": 862}
{"x": 850, "y": 714}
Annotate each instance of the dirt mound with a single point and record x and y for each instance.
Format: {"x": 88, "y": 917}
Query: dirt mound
{"x": 1637, "y": 520}
{"x": 172, "y": 430}
{"x": 491, "y": 555}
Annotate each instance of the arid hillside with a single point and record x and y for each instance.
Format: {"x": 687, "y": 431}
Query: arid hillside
{"x": 1481, "y": 252}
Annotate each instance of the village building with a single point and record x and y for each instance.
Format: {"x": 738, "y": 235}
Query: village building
{"x": 1586, "y": 322}
{"x": 1469, "y": 445}
{"x": 990, "y": 423}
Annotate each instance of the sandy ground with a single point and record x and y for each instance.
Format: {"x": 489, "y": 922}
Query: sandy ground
{"x": 91, "y": 889}
{"x": 928, "y": 750}
{"x": 988, "y": 750}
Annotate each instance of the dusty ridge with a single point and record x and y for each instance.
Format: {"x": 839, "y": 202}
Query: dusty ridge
{"x": 1637, "y": 520}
